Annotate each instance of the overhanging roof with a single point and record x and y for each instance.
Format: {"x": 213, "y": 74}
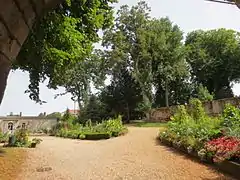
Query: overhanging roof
{"x": 231, "y": 2}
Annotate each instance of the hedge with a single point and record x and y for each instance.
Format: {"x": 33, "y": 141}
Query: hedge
{"x": 97, "y": 136}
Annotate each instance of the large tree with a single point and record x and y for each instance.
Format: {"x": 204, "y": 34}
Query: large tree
{"x": 126, "y": 43}
{"x": 61, "y": 40}
{"x": 123, "y": 95}
{"x": 87, "y": 72}
{"x": 167, "y": 53}
{"x": 151, "y": 48}
{"x": 214, "y": 57}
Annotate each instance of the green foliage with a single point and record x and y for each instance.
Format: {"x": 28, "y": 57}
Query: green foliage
{"x": 3, "y": 137}
{"x": 94, "y": 110}
{"x": 60, "y": 43}
{"x": 151, "y": 52}
{"x": 57, "y": 115}
{"x": 196, "y": 110}
{"x": 19, "y": 139}
{"x": 22, "y": 137}
{"x": 106, "y": 129}
{"x": 192, "y": 127}
{"x": 97, "y": 136}
{"x": 214, "y": 59}
{"x": 36, "y": 140}
{"x": 203, "y": 94}
{"x": 122, "y": 96}
{"x": 231, "y": 120}
{"x": 68, "y": 117}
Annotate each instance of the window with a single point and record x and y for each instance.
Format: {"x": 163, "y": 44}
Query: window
{"x": 23, "y": 125}
{"x": 10, "y": 126}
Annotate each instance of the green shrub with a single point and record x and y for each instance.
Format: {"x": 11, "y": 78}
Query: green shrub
{"x": 36, "y": 140}
{"x": 113, "y": 127}
{"x": 82, "y": 136}
{"x": 3, "y": 137}
{"x": 192, "y": 126}
{"x": 73, "y": 134}
{"x": 97, "y": 136}
{"x": 21, "y": 137}
{"x": 231, "y": 121}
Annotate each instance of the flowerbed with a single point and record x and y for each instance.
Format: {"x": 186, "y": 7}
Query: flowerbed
{"x": 104, "y": 130}
{"x": 20, "y": 139}
{"x": 211, "y": 139}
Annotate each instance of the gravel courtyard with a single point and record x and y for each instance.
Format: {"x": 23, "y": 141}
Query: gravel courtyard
{"x": 135, "y": 156}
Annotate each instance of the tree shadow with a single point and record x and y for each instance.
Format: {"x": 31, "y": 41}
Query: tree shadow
{"x": 2, "y": 152}
{"x": 220, "y": 178}
{"x": 211, "y": 167}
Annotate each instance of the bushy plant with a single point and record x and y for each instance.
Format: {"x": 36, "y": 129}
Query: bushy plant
{"x": 217, "y": 138}
{"x": 231, "y": 121}
{"x": 19, "y": 138}
{"x": 3, "y": 137}
{"x": 112, "y": 127}
{"x": 36, "y": 140}
{"x": 97, "y": 136}
{"x": 203, "y": 94}
{"x": 192, "y": 127}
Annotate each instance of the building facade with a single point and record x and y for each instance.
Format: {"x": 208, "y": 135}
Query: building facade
{"x": 33, "y": 124}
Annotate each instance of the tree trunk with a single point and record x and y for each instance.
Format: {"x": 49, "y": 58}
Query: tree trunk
{"x": 128, "y": 114}
{"x": 166, "y": 94}
{"x": 5, "y": 67}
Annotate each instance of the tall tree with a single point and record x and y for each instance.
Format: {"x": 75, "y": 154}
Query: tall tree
{"x": 123, "y": 95}
{"x": 167, "y": 54}
{"x": 78, "y": 79}
{"x": 214, "y": 57}
{"x": 127, "y": 46}
{"x": 61, "y": 39}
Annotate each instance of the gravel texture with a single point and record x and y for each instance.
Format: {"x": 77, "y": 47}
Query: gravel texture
{"x": 135, "y": 156}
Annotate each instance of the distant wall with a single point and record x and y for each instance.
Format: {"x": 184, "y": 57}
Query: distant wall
{"x": 212, "y": 108}
{"x": 32, "y": 123}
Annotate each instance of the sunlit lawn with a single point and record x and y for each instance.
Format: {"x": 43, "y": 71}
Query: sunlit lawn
{"x": 11, "y": 160}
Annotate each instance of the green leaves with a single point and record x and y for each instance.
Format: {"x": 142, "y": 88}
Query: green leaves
{"x": 61, "y": 40}
{"x": 214, "y": 59}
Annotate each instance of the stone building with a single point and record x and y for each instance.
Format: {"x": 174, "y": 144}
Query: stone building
{"x": 32, "y": 123}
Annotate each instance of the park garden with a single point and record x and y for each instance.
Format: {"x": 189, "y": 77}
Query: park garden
{"x": 149, "y": 63}
{"x": 212, "y": 139}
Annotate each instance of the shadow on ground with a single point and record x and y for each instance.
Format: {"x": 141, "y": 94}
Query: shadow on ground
{"x": 196, "y": 160}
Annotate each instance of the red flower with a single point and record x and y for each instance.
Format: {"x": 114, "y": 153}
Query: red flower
{"x": 224, "y": 148}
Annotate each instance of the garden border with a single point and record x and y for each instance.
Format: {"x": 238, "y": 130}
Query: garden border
{"x": 229, "y": 167}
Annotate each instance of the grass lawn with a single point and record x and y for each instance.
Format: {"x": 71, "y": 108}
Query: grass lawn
{"x": 147, "y": 124}
{"x": 11, "y": 160}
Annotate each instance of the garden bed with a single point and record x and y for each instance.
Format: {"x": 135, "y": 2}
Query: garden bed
{"x": 228, "y": 167}
{"x": 105, "y": 130}
{"x": 214, "y": 140}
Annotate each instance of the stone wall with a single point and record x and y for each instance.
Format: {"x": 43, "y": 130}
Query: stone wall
{"x": 212, "y": 108}
{"x": 33, "y": 124}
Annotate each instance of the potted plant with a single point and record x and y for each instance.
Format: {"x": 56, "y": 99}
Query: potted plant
{"x": 34, "y": 142}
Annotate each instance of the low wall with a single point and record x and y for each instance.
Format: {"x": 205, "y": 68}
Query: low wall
{"x": 212, "y": 108}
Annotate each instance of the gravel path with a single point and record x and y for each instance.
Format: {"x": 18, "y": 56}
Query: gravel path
{"x": 135, "y": 156}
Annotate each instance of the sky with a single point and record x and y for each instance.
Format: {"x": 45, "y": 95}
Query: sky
{"x": 188, "y": 14}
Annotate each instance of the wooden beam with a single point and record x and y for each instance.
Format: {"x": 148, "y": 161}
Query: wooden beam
{"x": 224, "y": 2}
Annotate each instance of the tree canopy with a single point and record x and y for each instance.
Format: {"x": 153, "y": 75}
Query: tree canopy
{"x": 62, "y": 39}
{"x": 214, "y": 57}
{"x": 148, "y": 62}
